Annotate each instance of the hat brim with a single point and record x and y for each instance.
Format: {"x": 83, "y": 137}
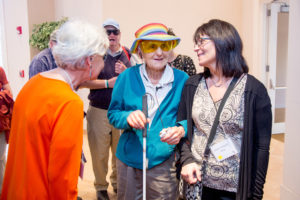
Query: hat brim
{"x": 111, "y": 25}
{"x": 137, "y": 41}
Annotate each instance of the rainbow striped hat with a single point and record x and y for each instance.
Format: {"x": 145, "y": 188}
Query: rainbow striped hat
{"x": 152, "y": 31}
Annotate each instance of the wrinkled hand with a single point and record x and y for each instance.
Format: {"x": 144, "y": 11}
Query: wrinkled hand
{"x": 173, "y": 136}
{"x": 119, "y": 67}
{"x": 191, "y": 173}
{"x": 137, "y": 119}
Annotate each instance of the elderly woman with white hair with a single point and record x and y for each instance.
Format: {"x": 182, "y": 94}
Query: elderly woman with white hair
{"x": 163, "y": 85}
{"x": 47, "y": 125}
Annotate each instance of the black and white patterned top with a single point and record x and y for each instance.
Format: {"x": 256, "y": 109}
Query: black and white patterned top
{"x": 184, "y": 63}
{"x": 221, "y": 175}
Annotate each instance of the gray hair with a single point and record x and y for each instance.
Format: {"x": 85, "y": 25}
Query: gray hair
{"x": 53, "y": 35}
{"x": 77, "y": 40}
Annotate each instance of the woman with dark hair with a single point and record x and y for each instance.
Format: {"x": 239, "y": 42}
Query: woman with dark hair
{"x": 234, "y": 165}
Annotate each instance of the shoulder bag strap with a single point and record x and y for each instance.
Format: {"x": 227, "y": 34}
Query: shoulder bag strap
{"x": 125, "y": 51}
{"x": 216, "y": 121}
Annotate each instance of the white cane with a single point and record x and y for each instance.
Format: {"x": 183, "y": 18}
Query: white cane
{"x": 145, "y": 111}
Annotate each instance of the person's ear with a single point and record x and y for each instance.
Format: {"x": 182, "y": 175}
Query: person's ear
{"x": 50, "y": 44}
{"x": 88, "y": 61}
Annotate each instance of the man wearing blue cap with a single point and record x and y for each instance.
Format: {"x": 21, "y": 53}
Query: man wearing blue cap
{"x": 101, "y": 135}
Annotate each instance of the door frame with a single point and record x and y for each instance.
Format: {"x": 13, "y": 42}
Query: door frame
{"x": 270, "y": 25}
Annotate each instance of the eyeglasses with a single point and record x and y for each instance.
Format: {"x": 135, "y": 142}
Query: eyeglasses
{"x": 151, "y": 46}
{"x": 114, "y": 31}
{"x": 201, "y": 42}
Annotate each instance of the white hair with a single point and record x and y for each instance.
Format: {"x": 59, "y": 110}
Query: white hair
{"x": 77, "y": 40}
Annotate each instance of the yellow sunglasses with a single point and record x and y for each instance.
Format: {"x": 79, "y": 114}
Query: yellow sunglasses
{"x": 149, "y": 46}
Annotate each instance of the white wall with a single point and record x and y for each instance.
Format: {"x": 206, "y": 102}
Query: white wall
{"x": 91, "y": 10}
{"x": 17, "y": 49}
{"x": 39, "y": 11}
{"x": 183, "y": 16}
{"x": 290, "y": 189}
{"x": 1, "y": 62}
{"x": 2, "y": 38}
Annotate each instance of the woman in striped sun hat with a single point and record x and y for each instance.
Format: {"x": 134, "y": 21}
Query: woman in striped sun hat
{"x": 162, "y": 85}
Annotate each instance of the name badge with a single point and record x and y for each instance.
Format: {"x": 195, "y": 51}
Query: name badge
{"x": 224, "y": 149}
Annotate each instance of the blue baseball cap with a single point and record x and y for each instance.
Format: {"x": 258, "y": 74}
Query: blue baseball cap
{"x": 111, "y": 22}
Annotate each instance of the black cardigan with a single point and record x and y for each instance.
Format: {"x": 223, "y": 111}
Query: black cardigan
{"x": 256, "y": 135}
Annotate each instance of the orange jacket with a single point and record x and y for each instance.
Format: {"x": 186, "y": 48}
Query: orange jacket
{"x": 45, "y": 142}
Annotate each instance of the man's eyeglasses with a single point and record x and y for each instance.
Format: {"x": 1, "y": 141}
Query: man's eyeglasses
{"x": 114, "y": 31}
{"x": 201, "y": 42}
{"x": 149, "y": 46}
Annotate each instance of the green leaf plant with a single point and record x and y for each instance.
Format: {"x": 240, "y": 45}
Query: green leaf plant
{"x": 41, "y": 33}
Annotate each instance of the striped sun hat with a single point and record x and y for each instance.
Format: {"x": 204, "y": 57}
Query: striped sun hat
{"x": 152, "y": 31}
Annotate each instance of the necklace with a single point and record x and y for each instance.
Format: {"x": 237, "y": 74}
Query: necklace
{"x": 220, "y": 84}
{"x": 69, "y": 79}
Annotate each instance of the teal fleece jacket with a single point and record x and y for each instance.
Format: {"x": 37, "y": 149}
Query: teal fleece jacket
{"x": 126, "y": 98}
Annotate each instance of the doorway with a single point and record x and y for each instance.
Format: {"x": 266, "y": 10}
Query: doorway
{"x": 276, "y": 29}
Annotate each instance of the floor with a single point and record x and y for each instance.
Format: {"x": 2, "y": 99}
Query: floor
{"x": 272, "y": 187}
{"x": 86, "y": 188}
{"x": 275, "y": 170}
